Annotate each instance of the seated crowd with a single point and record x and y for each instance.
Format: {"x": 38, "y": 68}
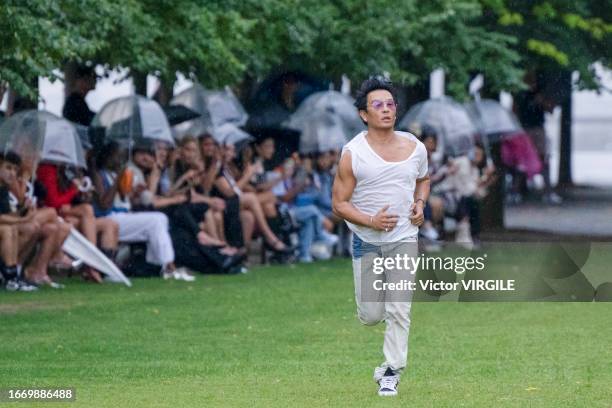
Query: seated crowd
{"x": 458, "y": 185}
{"x": 199, "y": 206}
{"x": 167, "y": 211}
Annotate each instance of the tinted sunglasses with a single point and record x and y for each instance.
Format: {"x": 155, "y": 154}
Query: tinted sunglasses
{"x": 378, "y": 104}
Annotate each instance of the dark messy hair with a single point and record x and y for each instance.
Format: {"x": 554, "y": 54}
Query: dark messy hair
{"x": 428, "y": 131}
{"x": 373, "y": 83}
{"x": 106, "y": 153}
{"x": 11, "y": 157}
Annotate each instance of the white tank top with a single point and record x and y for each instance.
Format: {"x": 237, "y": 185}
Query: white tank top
{"x": 380, "y": 182}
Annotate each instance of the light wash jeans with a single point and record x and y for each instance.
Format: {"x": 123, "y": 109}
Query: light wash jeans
{"x": 310, "y": 219}
{"x": 388, "y": 307}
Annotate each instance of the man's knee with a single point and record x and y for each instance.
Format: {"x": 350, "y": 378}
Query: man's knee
{"x": 370, "y": 316}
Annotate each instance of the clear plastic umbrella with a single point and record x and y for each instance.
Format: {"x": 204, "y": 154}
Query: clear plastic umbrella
{"x": 215, "y": 108}
{"x": 323, "y": 132}
{"x": 332, "y": 102}
{"x": 492, "y": 118}
{"x": 133, "y": 117}
{"x": 327, "y": 120}
{"x": 229, "y": 133}
{"x": 40, "y": 135}
{"x": 455, "y": 127}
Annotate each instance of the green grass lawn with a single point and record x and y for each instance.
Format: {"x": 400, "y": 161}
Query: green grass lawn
{"x": 289, "y": 337}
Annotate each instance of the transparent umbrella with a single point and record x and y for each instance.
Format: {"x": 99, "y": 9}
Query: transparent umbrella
{"x": 324, "y": 131}
{"x": 129, "y": 118}
{"x": 455, "y": 127}
{"x": 326, "y": 120}
{"x": 229, "y": 133}
{"x": 336, "y": 104}
{"x": 328, "y": 103}
{"x": 40, "y": 135}
{"x": 492, "y": 118}
{"x": 214, "y": 107}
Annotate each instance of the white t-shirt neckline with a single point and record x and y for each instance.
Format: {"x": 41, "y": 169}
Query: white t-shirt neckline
{"x": 367, "y": 143}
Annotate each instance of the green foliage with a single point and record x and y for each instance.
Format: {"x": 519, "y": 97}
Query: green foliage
{"x": 556, "y": 34}
{"x": 222, "y": 42}
{"x": 406, "y": 39}
{"x": 35, "y": 36}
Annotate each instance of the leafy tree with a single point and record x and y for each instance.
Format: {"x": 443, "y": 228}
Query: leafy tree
{"x": 37, "y": 35}
{"x": 221, "y": 42}
{"x": 556, "y": 38}
{"x": 556, "y": 34}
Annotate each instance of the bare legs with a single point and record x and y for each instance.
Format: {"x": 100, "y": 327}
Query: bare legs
{"x": 82, "y": 217}
{"x": 250, "y": 203}
{"x": 108, "y": 233}
{"x": 9, "y": 244}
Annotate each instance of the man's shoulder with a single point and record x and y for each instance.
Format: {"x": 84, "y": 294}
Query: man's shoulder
{"x": 358, "y": 139}
{"x": 407, "y": 135}
{"x": 419, "y": 145}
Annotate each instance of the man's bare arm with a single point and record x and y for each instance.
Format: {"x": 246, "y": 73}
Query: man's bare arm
{"x": 421, "y": 190}
{"x": 421, "y": 194}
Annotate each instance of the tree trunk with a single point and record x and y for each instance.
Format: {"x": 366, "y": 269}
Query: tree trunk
{"x": 140, "y": 83}
{"x": 565, "y": 148}
{"x": 164, "y": 92}
{"x": 17, "y": 102}
{"x": 69, "y": 77}
{"x": 492, "y": 207}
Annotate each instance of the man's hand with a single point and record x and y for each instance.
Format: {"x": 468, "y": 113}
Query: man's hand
{"x": 383, "y": 221}
{"x": 416, "y": 213}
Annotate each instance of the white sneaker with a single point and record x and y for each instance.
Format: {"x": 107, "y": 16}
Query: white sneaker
{"x": 388, "y": 384}
{"x": 182, "y": 274}
{"x": 20, "y": 285}
{"x": 463, "y": 237}
{"x": 329, "y": 239}
{"x": 430, "y": 233}
{"x": 167, "y": 274}
{"x": 553, "y": 198}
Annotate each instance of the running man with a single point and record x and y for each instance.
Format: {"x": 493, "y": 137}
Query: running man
{"x": 380, "y": 189}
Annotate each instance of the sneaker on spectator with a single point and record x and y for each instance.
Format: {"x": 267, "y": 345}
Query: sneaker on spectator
{"x": 329, "y": 238}
{"x": 20, "y": 285}
{"x": 167, "y": 273}
{"x": 429, "y": 232}
{"x": 463, "y": 237}
{"x": 552, "y": 198}
{"x": 305, "y": 259}
{"x": 182, "y": 274}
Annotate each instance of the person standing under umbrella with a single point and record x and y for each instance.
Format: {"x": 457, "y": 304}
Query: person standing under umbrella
{"x": 75, "y": 108}
{"x": 531, "y": 106}
{"x": 380, "y": 189}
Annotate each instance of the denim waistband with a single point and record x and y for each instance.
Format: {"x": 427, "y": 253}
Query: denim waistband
{"x": 361, "y": 247}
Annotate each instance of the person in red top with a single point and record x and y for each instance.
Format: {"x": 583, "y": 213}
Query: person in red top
{"x": 63, "y": 194}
